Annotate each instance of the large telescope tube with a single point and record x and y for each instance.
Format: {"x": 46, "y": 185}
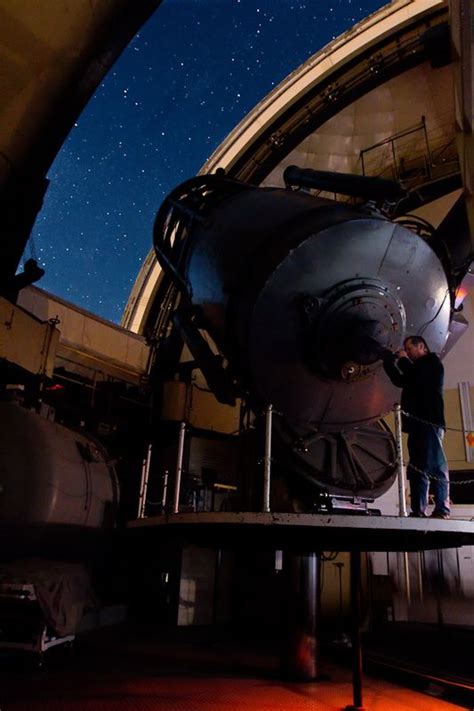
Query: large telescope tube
{"x": 303, "y": 295}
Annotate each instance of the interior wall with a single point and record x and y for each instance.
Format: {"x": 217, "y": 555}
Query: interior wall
{"x": 459, "y": 363}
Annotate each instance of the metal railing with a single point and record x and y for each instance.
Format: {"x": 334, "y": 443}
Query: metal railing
{"x": 410, "y": 157}
{"x": 398, "y": 464}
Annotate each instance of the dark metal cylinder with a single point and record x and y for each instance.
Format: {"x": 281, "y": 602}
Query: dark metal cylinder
{"x": 300, "y": 657}
{"x": 302, "y": 297}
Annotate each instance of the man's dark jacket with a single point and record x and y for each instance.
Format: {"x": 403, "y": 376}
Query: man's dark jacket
{"x": 422, "y": 383}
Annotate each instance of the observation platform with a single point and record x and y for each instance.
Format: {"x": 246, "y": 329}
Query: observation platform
{"x": 310, "y": 532}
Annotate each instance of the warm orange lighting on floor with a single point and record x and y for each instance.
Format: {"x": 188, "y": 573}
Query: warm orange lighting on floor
{"x": 101, "y": 687}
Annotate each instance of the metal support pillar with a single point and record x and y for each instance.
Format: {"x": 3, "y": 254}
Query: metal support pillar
{"x": 179, "y": 467}
{"x": 355, "y": 634}
{"x": 267, "y": 460}
{"x": 400, "y": 462}
{"x": 301, "y": 656}
{"x": 144, "y": 482}
{"x": 164, "y": 496}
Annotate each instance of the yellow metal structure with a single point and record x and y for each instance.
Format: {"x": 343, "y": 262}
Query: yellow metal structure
{"x": 198, "y": 408}
{"x": 26, "y": 341}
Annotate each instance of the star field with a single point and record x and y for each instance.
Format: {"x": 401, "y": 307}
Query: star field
{"x": 187, "y": 78}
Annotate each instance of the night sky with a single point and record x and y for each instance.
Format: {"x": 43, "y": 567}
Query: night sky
{"x": 193, "y": 71}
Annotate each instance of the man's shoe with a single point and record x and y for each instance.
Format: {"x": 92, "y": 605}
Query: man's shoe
{"x": 417, "y": 515}
{"x": 439, "y": 514}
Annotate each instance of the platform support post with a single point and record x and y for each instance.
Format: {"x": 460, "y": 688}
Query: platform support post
{"x": 400, "y": 463}
{"x": 300, "y": 660}
{"x": 267, "y": 460}
{"x": 179, "y": 467}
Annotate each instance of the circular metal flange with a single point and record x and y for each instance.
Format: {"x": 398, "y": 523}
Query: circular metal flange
{"x": 359, "y": 319}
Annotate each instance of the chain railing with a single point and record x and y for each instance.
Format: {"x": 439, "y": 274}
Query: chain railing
{"x": 438, "y": 426}
{"x": 466, "y": 433}
{"x": 398, "y": 463}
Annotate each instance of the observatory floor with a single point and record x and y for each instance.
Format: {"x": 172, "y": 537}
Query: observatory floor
{"x": 119, "y": 669}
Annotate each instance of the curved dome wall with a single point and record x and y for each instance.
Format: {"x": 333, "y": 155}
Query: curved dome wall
{"x": 372, "y": 81}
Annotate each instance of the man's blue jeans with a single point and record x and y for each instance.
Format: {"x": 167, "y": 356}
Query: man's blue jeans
{"x": 426, "y": 453}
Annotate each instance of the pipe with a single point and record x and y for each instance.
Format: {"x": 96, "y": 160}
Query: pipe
{"x": 179, "y": 467}
{"x": 267, "y": 460}
{"x": 400, "y": 462}
{"x": 165, "y": 490}
{"x": 363, "y": 186}
{"x": 144, "y": 482}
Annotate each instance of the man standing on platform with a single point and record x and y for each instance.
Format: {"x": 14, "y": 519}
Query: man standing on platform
{"x": 420, "y": 374}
